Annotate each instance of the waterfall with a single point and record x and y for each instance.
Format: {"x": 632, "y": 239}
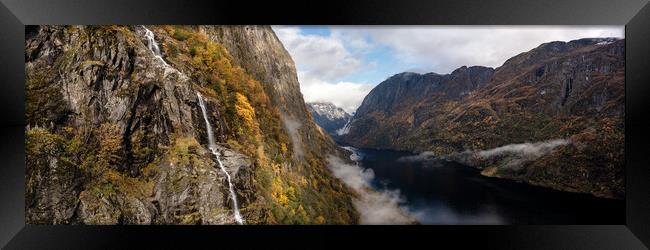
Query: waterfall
{"x": 345, "y": 129}
{"x": 152, "y": 45}
{"x": 213, "y": 148}
{"x": 155, "y": 49}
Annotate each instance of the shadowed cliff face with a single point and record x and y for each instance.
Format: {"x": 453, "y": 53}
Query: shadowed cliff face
{"x": 115, "y": 134}
{"x": 572, "y": 91}
{"x": 400, "y": 99}
{"x": 401, "y": 90}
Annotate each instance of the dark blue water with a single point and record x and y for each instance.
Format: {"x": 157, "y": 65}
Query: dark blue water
{"x": 442, "y": 192}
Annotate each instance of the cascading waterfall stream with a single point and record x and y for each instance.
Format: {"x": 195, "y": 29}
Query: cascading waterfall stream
{"x": 152, "y": 45}
{"x": 345, "y": 129}
{"x": 213, "y": 148}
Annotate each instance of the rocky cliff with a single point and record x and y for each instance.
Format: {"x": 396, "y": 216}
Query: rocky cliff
{"x": 570, "y": 91}
{"x": 395, "y": 100}
{"x": 115, "y": 134}
{"x": 329, "y": 117}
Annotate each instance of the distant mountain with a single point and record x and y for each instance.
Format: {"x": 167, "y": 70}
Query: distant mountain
{"x": 328, "y": 116}
{"x": 573, "y": 91}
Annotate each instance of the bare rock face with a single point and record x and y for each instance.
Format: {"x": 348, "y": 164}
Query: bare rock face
{"x": 125, "y": 209}
{"x": 190, "y": 192}
{"x": 51, "y": 200}
{"x": 109, "y": 76}
{"x": 572, "y": 91}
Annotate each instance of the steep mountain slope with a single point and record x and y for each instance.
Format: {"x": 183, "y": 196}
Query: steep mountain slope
{"x": 115, "y": 132}
{"x": 559, "y": 90}
{"x": 328, "y": 116}
{"x": 388, "y": 112}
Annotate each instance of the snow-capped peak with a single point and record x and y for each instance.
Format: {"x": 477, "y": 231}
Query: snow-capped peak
{"x": 328, "y": 110}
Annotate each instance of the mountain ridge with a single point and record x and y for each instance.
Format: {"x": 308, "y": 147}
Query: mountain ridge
{"x": 556, "y": 90}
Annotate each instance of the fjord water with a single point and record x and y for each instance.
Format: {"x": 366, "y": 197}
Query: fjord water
{"x": 442, "y": 192}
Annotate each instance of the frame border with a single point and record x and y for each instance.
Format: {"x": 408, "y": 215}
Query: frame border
{"x": 634, "y": 14}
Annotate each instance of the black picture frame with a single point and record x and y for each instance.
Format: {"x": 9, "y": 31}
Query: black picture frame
{"x": 635, "y": 15}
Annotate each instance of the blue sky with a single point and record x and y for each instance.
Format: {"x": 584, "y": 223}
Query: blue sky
{"x": 341, "y": 64}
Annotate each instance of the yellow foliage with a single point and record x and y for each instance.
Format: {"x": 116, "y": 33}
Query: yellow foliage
{"x": 69, "y": 130}
{"x": 245, "y": 110}
{"x": 253, "y": 127}
{"x": 283, "y": 200}
{"x": 301, "y": 211}
{"x": 291, "y": 192}
{"x": 283, "y": 148}
{"x": 320, "y": 220}
{"x": 261, "y": 155}
{"x": 110, "y": 142}
{"x": 276, "y": 168}
{"x": 278, "y": 192}
{"x": 303, "y": 181}
{"x": 126, "y": 184}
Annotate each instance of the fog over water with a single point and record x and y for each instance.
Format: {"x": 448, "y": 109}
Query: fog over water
{"x": 439, "y": 191}
{"x": 374, "y": 206}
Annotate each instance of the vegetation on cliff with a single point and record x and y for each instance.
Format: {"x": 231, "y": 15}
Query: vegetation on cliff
{"x": 128, "y": 133}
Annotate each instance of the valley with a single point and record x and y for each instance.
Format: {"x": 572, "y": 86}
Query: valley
{"x": 217, "y": 125}
{"x": 571, "y": 91}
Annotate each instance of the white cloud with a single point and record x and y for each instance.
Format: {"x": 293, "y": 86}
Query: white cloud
{"x": 529, "y": 149}
{"x": 444, "y": 48}
{"x": 292, "y": 126}
{"x": 322, "y": 56}
{"x": 346, "y": 95}
{"x": 323, "y": 61}
{"x": 374, "y": 207}
{"x": 517, "y": 154}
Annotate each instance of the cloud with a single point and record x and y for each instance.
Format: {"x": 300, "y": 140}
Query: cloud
{"x": 374, "y": 207}
{"x": 292, "y": 127}
{"x": 323, "y": 56}
{"x": 516, "y": 154}
{"x": 528, "y": 149}
{"x": 342, "y": 65}
{"x": 346, "y": 95}
{"x": 424, "y": 156}
{"x": 322, "y": 61}
{"x": 442, "y": 49}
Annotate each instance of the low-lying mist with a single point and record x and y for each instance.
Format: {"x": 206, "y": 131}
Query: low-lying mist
{"x": 374, "y": 207}
{"x": 514, "y": 155}
{"x": 292, "y": 126}
{"x": 525, "y": 149}
{"x": 424, "y": 156}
